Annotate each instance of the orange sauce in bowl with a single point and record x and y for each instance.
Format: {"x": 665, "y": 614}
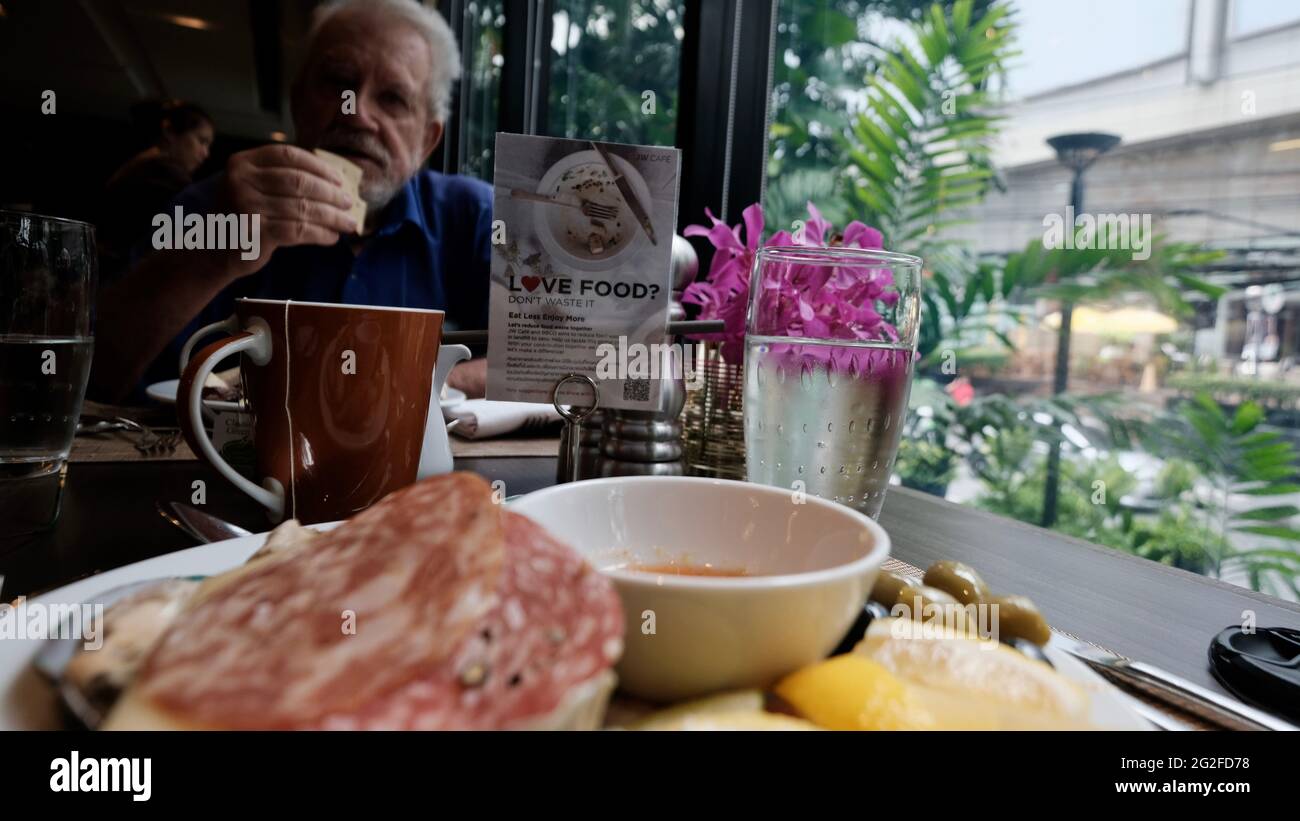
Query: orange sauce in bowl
{"x": 671, "y": 569}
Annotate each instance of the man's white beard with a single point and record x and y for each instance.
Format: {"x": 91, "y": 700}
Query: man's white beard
{"x": 378, "y": 195}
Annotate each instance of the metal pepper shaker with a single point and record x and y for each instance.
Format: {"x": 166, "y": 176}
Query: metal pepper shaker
{"x": 650, "y": 442}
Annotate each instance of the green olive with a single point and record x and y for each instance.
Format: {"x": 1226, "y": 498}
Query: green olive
{"x": 959, "y": 580}
{"x": 925, "y": 603}
{"x": 889, "y": 586}
{"x": 1018, "y": 618}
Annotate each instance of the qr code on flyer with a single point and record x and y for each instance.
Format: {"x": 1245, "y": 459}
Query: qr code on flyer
{"x": 636, "y": 390}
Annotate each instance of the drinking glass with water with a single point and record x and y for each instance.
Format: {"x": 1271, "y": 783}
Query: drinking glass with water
{"x": 829, "y": 349}
{"x": 47, "y": 288}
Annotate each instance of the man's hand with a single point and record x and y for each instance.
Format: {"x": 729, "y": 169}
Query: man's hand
{"x": 301, "y": 201}
{"x": 470, "y": 377}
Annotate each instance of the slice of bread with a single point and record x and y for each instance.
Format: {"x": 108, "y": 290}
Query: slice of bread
{"x": 351, "y": 173}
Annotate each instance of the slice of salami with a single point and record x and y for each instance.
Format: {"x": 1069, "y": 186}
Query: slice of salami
{"x": 369, "y": 607}
{"x": 557, "y": 625}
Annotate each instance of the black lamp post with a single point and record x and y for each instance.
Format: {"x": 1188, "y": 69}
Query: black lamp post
{"x": 1076, "y": 152}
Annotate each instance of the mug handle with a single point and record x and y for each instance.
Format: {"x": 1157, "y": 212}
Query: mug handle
{"x": 228, "y": 326}
{"x": 255, "y": 343}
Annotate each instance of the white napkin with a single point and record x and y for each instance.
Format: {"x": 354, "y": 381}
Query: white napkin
{"x": 482, "y": 419}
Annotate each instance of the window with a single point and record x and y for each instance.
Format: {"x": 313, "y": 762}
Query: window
{"x": 598, "y": 70}
{"x": 1254, "y": 16}
{"x": 1179, "y": 427}
{"x": 614, "y": 70}
{"x": 481, "y": 85}
{"x": 821, "y": 59}
{"x": 1060, "y": 42}
{"x": 937, "y": 136}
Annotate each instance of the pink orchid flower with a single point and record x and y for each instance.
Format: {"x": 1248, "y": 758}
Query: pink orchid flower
{"x": 814, "y": 301}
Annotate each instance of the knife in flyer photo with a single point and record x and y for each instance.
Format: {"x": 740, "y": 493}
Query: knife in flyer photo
{"x": 629, "y": 196}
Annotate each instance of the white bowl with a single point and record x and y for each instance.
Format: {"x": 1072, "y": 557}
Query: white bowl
{"x": 809, "y": 566}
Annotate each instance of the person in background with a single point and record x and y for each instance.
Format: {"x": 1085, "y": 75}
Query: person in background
{"x": 375, "y": 88}
{"x": 180, "y": 136}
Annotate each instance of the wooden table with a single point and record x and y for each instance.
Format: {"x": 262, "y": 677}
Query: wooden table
{"x": 1135, "y": 607}
{"x": 120, "y": 447}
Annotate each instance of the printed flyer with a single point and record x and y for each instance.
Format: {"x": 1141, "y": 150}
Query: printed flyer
{"x": 582, "y": 246}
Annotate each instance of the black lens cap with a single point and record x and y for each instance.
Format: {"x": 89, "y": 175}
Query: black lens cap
{"x": 1261, "y": 666}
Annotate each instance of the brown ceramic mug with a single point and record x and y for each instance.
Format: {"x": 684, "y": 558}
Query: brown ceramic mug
{"x": 339, "y": 396}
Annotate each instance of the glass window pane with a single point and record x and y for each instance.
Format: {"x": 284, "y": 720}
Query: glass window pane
{"x": 614, "y": 70}
{"x": 1060, "y": 41}
{"x": 1251, "y": 16}
{"x": 482, "y": 39}
{"x": 820, "y": 64}
{"x": 1179, "y": 428}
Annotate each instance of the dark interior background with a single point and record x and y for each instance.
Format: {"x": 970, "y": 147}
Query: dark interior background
{"x": 236, "y": 59}
{"x": 101, "y": 57}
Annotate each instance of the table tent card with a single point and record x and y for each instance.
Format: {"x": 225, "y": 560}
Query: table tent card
{"x": 582, "y": 246}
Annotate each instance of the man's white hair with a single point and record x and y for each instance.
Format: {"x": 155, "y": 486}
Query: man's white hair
{"x": 425, "y": 20}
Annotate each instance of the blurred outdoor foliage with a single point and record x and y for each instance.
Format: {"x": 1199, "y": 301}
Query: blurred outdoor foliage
{"x": 886, "y": 112}
{"x": 601, "y": 67}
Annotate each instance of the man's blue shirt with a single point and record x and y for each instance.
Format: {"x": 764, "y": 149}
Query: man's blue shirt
{"x": 431, "y": 249}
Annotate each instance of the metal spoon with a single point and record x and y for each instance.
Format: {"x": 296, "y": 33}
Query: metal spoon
{"x": 203, "y": 527}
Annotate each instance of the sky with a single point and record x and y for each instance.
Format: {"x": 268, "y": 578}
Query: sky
{"x": 1065, "y": 42}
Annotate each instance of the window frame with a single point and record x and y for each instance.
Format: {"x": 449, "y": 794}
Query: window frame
{"x": 725, "y": 89}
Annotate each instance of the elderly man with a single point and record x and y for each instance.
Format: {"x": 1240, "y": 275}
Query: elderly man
{"x": 426, "y": 241}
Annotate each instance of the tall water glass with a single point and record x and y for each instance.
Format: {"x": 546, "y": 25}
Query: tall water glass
{"x": 829, "y": 350}
{"x": 47, "y": 288}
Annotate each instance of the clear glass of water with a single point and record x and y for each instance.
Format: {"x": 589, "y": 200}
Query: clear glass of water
{"x": 829, "y": 350}
{"x": 48, "y": 269}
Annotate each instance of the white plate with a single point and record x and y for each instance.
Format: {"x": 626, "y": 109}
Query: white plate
{"x": 453, "y": 397}
{"x": 165, "y": 392}
{"x": 551, "y": 222}
{"x": 27, "y": 701}
{"x": 1110, "y": 706}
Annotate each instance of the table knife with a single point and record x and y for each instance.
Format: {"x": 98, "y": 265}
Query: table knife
{"x": 1221, "y": 710}
{"x": 204, "y": 527}
{"x": 629, "y": 196}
